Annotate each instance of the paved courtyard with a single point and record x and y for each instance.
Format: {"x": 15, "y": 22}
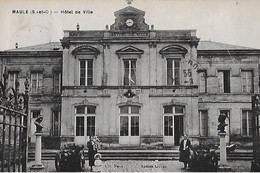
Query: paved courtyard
{"x": 147, "y": 166}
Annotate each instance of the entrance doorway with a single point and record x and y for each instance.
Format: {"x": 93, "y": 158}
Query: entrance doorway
{"x": 85, "y": 125}
{"x": 178, "y": 129}
{"x": 173, "y": 124}
{"x": 129, "y": 125}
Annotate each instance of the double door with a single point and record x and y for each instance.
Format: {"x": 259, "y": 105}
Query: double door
{"x": 129, "y": 130}
{"x": 173, "y": 129}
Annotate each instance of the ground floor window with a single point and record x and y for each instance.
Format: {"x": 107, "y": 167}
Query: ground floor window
{"x": 56, "y": 123}
{"x": 85, "y": 120}
{"x": 129, "y": 120}
{"x": 203, "y": 122}
{"x": 247, "y": 123}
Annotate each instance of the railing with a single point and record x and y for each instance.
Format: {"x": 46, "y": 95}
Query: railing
{"x": 13, "y": 126}
{"x": 13, "y": 129}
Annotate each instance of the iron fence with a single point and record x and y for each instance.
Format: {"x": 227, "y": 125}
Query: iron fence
{"x": 13, "y": 126}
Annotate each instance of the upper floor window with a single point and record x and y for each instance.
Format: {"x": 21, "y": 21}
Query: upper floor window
{"x": 36, "y": 82}
{"x": 224, "y": 81}
{"x": 56, "y": 82}
{"x": 12, "y": 78}
{"x": 247, "y": 81}
{"x": 86, "y": 72}
{"x": 129, "y": 72}
{"x": 202, "y": 75}
{"x": 173, "y": 72}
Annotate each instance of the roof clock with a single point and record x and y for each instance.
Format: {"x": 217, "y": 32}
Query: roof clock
{"x": 129, "y": 22}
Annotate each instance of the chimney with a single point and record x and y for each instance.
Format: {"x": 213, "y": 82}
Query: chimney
{"x": 77, "y": 26}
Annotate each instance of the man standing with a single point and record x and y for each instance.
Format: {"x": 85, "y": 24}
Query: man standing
{"x": 185, "y": 150}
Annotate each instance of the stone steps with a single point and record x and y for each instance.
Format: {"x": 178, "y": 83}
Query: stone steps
{"x": 142, "y": 155}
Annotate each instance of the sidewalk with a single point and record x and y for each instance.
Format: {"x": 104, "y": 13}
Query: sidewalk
{"x": 146, "y": 166}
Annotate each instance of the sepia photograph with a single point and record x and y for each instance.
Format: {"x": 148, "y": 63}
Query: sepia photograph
{"x": 129, "y": 86}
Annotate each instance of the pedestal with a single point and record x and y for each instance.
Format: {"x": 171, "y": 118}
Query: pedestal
{"x": 38, "y": 166}
{"x": 223, "y": 154}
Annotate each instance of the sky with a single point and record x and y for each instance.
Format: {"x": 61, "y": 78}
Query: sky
{"x": 234, "y": 22}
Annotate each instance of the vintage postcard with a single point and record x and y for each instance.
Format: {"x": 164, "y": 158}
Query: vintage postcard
{"x": 129, "y": 85}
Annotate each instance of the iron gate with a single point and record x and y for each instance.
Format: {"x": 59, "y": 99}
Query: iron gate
{"x": 13, "y": 127}
{"x": 255, "y": 165}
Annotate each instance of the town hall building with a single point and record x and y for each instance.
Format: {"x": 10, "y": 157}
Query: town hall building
{"x": 133, "y": 85}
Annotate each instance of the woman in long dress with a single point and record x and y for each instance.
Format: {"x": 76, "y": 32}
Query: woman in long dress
{"x": 185, "y": 150}
{"x": 92, "y": 150}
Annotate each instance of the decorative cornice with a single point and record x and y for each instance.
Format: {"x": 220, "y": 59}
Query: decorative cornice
{"x": 132, "y": 87}
{"x": 31, "y": 54}
{"x": 173, "y": 49}
{"x": 85, "y": 103}
{"x": 85, "y": 50}
{"x": 129, "y": 50}
{"x": 174, "y": 102}
{"x": 130, "y": 102}
{"x": 229, "y": 52}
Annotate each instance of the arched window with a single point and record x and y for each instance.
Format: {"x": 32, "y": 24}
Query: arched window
{"x": 129, "y": 125}
{"x": 173, "y": 124}
{"x": 85, "y": 120}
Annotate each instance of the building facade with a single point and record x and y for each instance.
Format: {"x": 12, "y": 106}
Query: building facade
{"x": 132, "y": 85}
{"x": 42, "y": 66}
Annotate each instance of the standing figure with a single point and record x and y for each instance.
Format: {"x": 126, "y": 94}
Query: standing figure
{"x": 185, "y": 150}
{"x": 92, "y": 150}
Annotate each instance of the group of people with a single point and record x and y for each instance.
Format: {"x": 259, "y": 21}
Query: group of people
{"x": 94, "y": 156}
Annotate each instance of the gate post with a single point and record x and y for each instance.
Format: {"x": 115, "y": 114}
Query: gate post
{"x": 25, "y": 123}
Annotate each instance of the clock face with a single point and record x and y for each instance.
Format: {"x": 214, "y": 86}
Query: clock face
{"x": 129, "y": 22}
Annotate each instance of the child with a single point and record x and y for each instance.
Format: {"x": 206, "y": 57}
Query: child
{"x": 98, "y": 163}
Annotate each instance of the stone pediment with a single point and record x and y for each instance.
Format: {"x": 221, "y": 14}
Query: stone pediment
{"x": 173, "y": 49}
{"x": 129, "y": 19}
{"x": 85, "y": 50}
{"x": 129, "y": 10}
{"x": 129, "y": 50}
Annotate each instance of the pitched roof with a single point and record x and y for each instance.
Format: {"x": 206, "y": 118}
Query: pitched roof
{"x": 52, "y": 46}
{"x": 203, "y": 45}
{"x": 211, "y": 45}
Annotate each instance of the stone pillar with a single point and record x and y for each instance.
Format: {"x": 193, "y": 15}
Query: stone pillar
{"x": 223, "y": 153}
{"x": 38, "y": 153}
